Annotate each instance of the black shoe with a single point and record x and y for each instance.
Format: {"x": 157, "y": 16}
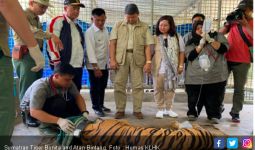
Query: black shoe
{"x": 222, "y": 109}
{"x": 192, "y": 118}
{"x": 235, "y": 117}
{"x": 31, "y": 122}
{"x": 99, "y": 113}
{"x": 106, "y": 109}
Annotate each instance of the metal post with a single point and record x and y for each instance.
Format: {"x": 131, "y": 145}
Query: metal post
{"x": 219, "y": 14}
{"x": 152, "y": 14}
{"x": 148, "y": 78}
{"x": 199, "y": 5}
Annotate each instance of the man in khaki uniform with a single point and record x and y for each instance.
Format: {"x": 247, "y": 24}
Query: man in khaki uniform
{"x": 129, "y": 54}
{"x": 8, "y": 15}
{"x": 23, "y": 66}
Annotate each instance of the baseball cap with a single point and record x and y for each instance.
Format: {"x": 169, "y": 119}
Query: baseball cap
{"x": 43, "y": 2}
{"x": 74, "y": 2}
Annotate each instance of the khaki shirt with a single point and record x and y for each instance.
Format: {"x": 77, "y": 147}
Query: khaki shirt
{"x": 137, "y": 38}
{"x": 36, "y": 28}
{"x": 131, "y": 29}
{"x": 4, "y": 32}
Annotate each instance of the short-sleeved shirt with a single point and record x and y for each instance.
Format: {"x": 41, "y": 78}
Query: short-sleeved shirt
{"x": 36, "y": 28}
{"x": 148, "y": 37}
{"x": 40, "y": 90}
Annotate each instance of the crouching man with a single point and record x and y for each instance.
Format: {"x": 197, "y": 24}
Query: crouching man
{"x": 50, "y": 102}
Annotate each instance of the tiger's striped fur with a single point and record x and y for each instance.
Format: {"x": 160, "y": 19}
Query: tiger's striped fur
{"x": 115, "y": 132}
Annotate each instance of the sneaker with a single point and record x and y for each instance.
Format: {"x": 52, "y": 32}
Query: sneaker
{"x": 160, "y": 114}
{"x": 192, "y": 118}
{"x": 29, "y": 120}
{"x": 105, "y": 109}
{"x": 99, "y": 113}
{"x": 222, "y": 108}
{"x": 171, "y": 113}
{"x": 32, "y": 122}
{"x": 215, "y": 121}
{"x": 165, "y": 113}
{"x": 235, "y": 117}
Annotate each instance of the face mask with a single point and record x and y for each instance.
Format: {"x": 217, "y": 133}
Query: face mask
{"x": 204, "y": 62}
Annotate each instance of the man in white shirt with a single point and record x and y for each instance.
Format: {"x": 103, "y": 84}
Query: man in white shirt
{"x": 97, "y": 38}
{"x": 70, "y": 33}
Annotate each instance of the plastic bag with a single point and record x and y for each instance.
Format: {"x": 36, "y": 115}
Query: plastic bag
{"x": 204, "y": 62}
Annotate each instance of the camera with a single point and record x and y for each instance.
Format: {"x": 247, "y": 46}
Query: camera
{"x": 235, "y": 15}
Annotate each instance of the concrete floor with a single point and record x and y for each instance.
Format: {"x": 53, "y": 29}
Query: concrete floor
{"x": 149, "y": 110}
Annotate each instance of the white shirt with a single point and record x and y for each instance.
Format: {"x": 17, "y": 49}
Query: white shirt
{"x": 162, "y": 68}
{"x": 77, "y": 56}
{"x": 97, "y": 47}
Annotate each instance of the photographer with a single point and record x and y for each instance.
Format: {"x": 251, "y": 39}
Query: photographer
{"x": 239, "y": 27}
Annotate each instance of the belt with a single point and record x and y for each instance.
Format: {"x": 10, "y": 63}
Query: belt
{"x": 129, "y": 50}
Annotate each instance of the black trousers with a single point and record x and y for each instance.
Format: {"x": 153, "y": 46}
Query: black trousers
{"x": 97, "y": 89}
{"x": 209, "y": 95}
{"x": 195, "y": 105}
{"x": 78, "y": 77}
{"x": 58, "y": 106}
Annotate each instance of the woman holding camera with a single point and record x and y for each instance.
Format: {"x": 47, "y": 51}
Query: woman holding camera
{"x": 206, "y": 73}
